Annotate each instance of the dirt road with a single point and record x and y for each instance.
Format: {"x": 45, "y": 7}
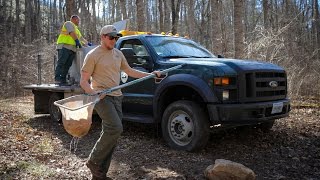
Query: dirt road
{"x": 33, "y": 147}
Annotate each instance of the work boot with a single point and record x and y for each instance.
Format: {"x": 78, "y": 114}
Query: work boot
{"x": 96, "y": 171}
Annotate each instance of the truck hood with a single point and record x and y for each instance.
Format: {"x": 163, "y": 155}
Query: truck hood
{"x": 223, "y": 66}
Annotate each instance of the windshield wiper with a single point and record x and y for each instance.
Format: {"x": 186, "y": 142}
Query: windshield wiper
{"x": 200, "y": 56}
{"x": 175, "y": 56}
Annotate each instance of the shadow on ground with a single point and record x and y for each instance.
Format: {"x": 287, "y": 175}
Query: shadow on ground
{"x": 287, "y": 152}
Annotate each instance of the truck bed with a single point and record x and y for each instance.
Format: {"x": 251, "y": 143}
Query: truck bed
{"x": 54, "y": 88}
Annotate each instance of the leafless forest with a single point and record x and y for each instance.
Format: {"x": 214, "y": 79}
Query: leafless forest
{"x": 284, "y": 32}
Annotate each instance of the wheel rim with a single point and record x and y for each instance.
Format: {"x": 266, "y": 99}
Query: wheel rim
{"x": 180, "y": 128}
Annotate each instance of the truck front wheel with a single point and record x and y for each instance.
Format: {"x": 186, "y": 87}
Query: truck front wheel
{"x": 54, "y": 110}
{"x": 185, "y": 126}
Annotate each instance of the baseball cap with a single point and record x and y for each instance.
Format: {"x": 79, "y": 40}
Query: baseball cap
{"x": 110, "y": 30}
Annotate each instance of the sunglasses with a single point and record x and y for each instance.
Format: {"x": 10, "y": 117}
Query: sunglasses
{"x": 112, "y": 37}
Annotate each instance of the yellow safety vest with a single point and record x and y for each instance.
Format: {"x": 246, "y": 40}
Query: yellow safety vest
{"x": 64, "y": 36}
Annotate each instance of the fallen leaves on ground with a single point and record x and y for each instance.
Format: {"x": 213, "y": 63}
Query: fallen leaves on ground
{"x": 34, "y": 147}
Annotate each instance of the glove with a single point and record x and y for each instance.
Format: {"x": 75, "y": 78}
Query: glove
{"x": 89, "y": 44}
{"x": 78, "y": 44}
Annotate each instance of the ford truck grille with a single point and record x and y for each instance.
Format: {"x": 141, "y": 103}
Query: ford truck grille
{"x": 265, "y": 86}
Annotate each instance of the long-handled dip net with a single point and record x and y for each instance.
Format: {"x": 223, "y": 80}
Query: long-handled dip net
{"x": 77, "y": 110}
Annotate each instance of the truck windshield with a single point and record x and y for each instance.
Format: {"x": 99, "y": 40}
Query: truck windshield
{"x": 175, "y": 47}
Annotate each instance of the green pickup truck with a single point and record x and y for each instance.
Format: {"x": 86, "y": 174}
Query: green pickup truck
{"x": 208, "y": 93}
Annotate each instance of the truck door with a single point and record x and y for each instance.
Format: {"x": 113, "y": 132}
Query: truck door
{"x": 137, "y": 98}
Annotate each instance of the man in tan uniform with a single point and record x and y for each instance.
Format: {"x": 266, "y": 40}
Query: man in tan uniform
{"x": 103, "y": 64}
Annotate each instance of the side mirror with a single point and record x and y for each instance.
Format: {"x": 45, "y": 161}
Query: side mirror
{"x": 137, "y": 61}
{"x": 144, "y": 62}
{"x": 220, "y": 56}
{"x": 148, "y": 63}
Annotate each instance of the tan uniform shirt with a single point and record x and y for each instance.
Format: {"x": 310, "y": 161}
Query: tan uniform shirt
{"x": 105, "y": 66}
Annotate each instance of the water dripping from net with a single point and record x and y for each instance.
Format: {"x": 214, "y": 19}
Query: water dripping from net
{"x": 74, "y": 144}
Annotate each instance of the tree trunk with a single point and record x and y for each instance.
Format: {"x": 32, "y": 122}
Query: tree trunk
{"x": 238, "y": 7}
{"x": 37, "y": 23}
{"x": 3, "y": 47}
{"x": 70, "y": 8}
{"x": 50, "y": 21}
{"x": 10, "y": 24}
{"x": 94, "y": 22}
{"x": 161, "y": 16}
{"x": 275, "y": 16}
{"x": 216, "y": 26}
{"x": 140, "y": 15}
{"x": 131, "y": 13}
{"x": 17, "y": 24}
{"x": 288, "y": 24}
{"x": 175, "y": 8}
{"x": 154, "y": 16}
{"x": 54, "y": 21}
{"x": 148, "y": 24}
{"x": 316, "y": 28}
{"x": 191, "y": 27}
{"x": 265, "y": 5}
{"x": 28, "y": 12}
{"x": 166, "y": 20}
{"x": 61, "y": 17}
{"x": 266, "y": 25}
{"x": 123, "y": 9}
{"x": 112, "y": 9}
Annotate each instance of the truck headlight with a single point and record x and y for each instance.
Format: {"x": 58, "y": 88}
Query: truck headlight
{"x": 225, "y": 95}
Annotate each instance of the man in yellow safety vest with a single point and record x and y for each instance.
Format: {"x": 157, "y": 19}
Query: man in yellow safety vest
{"x": 69, "y": 40}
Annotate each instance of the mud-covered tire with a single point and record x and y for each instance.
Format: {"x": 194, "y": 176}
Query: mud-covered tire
{"x": 185, "y": 126}
{"x": 55, "y": 113}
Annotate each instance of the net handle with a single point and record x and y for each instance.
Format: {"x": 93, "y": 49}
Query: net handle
{"x": 138, "y": 80}
{"x": 113, "y": 89}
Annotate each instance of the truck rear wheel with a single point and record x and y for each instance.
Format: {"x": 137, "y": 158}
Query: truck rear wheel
{"x": 185, "y": 126}
{"x": 55, "y": 113}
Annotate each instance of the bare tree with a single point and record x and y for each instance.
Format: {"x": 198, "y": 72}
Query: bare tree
{"x": 28, "y": 13}
{"x": 190, "y": 19}
{"x": 94, "y": 21}
{"x": 284, "y": 32}
{"x": 161, "y": 15}
{"x": 61, "y": 17}
{"x": 3, "y": 47}
{"x": 71, "y": 6}
{"x": 37, "y": 21}
{"x": 123, "y": 9}
{"x": 238, "y": 8}
{"x": 175, "y": 8}
{"x": 167, "y": 12}
{"x": 17, "y": 24}
{"x": 316, "y": 27}
{"x": 265, "y": 5}
{"x": 112, "y": 9}
{"x": 140, "y": 15}
{"x": 216, "y": 26}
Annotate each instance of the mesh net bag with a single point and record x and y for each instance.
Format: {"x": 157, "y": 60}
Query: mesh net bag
{"x": 77, "y": 114}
